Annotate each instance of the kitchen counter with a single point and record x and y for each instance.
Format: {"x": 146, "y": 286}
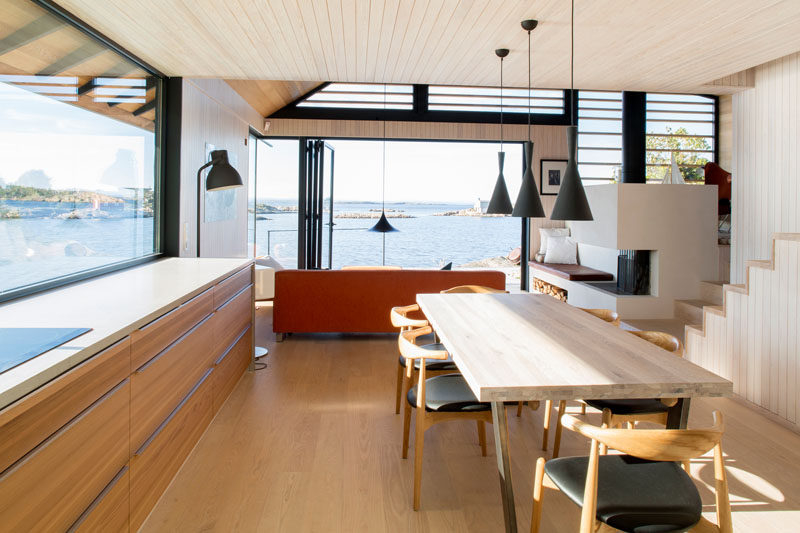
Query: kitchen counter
{"x": 112, "y": 305}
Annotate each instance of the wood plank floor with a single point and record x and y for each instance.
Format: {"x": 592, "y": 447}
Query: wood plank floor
{"x": 311, "y": 443}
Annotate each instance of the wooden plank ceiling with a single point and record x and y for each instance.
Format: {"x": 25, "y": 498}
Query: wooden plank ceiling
{"x": 42, "y": 54}
{"x": 269, "y": 96}
{"x": 678, "y": 46}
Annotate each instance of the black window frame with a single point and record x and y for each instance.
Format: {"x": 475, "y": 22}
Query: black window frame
{"x": 160, "y": 132}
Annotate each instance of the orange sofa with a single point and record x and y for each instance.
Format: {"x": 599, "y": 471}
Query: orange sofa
{"x": 359, "y": 301}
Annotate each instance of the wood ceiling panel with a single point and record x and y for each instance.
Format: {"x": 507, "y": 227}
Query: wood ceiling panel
{"x": 678, "y": 45}
{"x": 269, "y": 96}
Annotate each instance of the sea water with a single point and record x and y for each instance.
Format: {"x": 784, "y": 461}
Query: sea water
{"x": 44, "y": 244}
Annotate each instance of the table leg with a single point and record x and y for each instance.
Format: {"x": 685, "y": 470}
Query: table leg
{"x": 678, "y": 414}
{"x": 500, "y": 425}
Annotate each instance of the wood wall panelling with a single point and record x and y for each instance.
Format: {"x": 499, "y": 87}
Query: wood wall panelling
{"x": 212, "y": 112}
{"x": 752, "y": 338}
{"x": 51, "y": 487}
{"x": 766, "y": 179}
{"x": 35, "y": 417}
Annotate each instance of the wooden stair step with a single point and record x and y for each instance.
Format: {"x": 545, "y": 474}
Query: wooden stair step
{"x": 711, "y": 291}
{"x": 691, "y": 311}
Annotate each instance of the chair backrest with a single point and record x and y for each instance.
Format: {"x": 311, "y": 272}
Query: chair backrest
{"x": 663, "y": 340}
{"x": 406, "y": 341}
{"x": 472, "y": 289}
{"x": 400, "y": 319}
{"x": 612, "y": 317}
{"x": 653, "y": 444}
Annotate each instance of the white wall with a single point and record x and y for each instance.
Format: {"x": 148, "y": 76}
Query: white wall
{"x": 766, "y": 196}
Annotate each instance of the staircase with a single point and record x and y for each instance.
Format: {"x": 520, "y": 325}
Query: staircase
{"x": 687, "y": 312}
{"x": 748, "y": 332}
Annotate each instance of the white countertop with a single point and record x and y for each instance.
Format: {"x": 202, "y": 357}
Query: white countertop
{"x": 112, "y": 305}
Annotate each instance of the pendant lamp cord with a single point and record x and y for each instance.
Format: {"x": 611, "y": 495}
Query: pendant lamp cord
{"x": 529, "y": 85}
{"x": 383, "y": 174}
{"x": 572, "y": 64}
{"x": 501, "y": 104}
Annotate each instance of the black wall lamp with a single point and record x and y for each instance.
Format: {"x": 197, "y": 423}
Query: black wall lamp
{"x": 221, "y": 176}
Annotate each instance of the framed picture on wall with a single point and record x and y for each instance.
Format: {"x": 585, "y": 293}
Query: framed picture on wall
{"x": 550, "y": 173}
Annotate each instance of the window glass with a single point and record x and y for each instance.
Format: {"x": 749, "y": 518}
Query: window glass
{"x": 78, "y": 137}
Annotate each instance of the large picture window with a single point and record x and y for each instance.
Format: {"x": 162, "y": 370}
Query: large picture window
{"x": 79, "y": 130}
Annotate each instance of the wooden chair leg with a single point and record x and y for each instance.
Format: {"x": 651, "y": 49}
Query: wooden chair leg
{"x": 631, "y": 425}
{"x": 519, "y": 408}
{"x": 482, "y": 436}
{"x": 406, "y": 412}
{"x": 607, "y": 420}
{"x": 562, "y": 406}
{"x": 583, "y": 408}
{"x": 419, "y": 442}
{"x": 400, "y": 373}
{"x": 548, "y": 409}
{"x": 538, "y": 479}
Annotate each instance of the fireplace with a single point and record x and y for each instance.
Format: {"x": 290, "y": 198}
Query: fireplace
{"x": 633, "y": 272}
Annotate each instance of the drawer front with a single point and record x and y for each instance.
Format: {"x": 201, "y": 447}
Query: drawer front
{"x": 110, "y": 511}
{"x": 230, "y": 368}
{"x": 232, "y": 318}
{"x": 52, "y": 486}
{"x": 156, "y": 462}
{"x": 159, "y": 386}
{"x": 32, "y": 419}
{"x": 227, "y": 288}
{"x": 151, "y": 339}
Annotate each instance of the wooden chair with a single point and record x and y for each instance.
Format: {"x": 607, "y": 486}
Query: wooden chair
{"x": 643, "y": 490}
{"x": 612, "y": 317}
{"x": 400, "y": 319}
{"x": 437, "y": 399}
{"x": 608, "y": 315}
{"x": 473, "y": 289}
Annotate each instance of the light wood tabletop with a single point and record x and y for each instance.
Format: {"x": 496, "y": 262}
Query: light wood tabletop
{"x": 516, "y": 347}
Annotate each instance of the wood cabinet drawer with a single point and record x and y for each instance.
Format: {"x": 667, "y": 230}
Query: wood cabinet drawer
{"x": 110, "y": 510}
{"x": 158, "y": 386}
{"x": 232, "y": 318}
{"x": 151, "y": 339}
{"x": 48, "y": 489}
{"x": 156, "y": 462}
{"x": 33, "y": 418}
{"x": 230, "y": 367}
{"x": 228, "y": 287}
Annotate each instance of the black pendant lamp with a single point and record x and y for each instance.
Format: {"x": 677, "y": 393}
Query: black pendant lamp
{"x": 571, "y": 202}
{"x": 383, "y": 226}
{"x": 528, "y": 204}
{"x": 500, "y": 204}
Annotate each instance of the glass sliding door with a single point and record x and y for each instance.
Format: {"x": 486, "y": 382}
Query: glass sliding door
{"x": 315, "y": 236}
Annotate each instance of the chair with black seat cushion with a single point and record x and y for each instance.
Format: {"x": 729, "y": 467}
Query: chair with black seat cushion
{"x": 643, "y": 491}
{"x": 437, "y": 399}
{"x": 630, "y": 411}
{"x": 400, "y": 319}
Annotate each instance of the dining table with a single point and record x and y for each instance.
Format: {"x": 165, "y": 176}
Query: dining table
{"x": 528, "y": 346}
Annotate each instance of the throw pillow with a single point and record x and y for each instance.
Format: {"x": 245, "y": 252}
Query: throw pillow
{"x": 545, "y": 233}
{"x": 562, "y": 250}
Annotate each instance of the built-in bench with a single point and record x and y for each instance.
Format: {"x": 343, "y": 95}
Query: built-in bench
{"x": 573, "y": 272}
